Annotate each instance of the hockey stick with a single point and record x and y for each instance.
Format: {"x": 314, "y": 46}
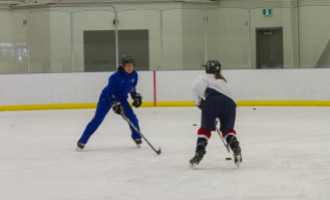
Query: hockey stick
{"x": 222, "y": 139}
{"x": 137, "y": 130}
{"x": 238, "y": 158}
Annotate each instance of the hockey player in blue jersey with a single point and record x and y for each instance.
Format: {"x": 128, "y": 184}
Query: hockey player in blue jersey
{"x": 114, "y": 96}
{"x": 214, "y": 97}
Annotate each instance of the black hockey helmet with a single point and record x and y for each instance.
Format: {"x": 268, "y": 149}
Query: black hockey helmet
{"x": 127, "y": 59}
{"x": 212, "y": 66}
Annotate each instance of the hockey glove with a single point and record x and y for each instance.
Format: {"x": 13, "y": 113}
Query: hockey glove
{"x": 117, "y": 108}
{"x": 137, "y": 100}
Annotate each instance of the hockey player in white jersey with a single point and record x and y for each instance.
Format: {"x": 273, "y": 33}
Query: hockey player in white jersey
{"x": 213, "y": 96}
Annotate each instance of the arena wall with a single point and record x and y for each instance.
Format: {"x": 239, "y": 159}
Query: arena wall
{"x": 284, "y": 87}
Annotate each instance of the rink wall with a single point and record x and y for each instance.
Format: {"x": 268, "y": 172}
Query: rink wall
{"x": 274, "y": 87}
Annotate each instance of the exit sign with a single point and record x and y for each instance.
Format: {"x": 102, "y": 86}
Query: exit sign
{"x": 267, "y": 11}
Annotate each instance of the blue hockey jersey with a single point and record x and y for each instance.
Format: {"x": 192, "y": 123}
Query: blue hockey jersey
{"x": 119, "y": 85}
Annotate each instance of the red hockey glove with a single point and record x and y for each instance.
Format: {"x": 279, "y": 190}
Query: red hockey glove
{"x": 200, "y": 106}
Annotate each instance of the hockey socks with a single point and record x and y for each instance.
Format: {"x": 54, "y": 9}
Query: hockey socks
{"x": 202, "y": 140}
{"x": 232, "y": 141}
{"x": 230, "y": 136}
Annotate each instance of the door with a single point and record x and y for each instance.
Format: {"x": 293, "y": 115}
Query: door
{"x": 99, "y": 51}
{"x": 270, "y": 48}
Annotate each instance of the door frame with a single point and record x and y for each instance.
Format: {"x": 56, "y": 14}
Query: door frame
{"x": 258, "y": 62}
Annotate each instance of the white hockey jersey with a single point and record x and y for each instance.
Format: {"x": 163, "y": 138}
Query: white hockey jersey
{"x": 202, "y": 82}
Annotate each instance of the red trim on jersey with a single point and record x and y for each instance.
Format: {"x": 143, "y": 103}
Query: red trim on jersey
{"x": 202, "y": 131}
{"x": 224, "y": 135}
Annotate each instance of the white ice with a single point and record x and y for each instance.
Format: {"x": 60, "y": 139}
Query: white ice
{"x": 286, "y": 155}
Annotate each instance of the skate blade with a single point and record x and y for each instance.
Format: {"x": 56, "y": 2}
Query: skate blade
{"x": 138, "y": 145}
{"x": 238, "y": 160}
{"x": 79, "y": 149}
{"x": 193, "y": 165}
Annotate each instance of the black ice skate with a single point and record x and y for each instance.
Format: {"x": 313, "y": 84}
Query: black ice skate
{"x": 197, "y": 158}
{"x": 237, "y": 153}
{"x": 138, "y": 142}
{"x": 80, "y": 146}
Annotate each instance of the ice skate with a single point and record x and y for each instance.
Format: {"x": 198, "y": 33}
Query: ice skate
{"x": 80, "y": 146}
{"x": 138, "y": 142}
{"x": 197, "y": 158}
{"x": 237, "y": 153}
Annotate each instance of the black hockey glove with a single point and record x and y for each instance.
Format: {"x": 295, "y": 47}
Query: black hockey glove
{"x": 117, "y": 108}
{"x": 137, "y": 100}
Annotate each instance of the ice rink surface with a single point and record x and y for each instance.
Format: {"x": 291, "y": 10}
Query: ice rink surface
{"x": 286, "y": 156}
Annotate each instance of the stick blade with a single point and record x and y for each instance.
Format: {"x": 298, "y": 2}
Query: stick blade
{"x": 159, "y": 151}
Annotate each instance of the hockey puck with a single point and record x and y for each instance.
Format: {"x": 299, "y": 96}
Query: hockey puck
{"x": 254, "y": 109}
{"x": 194, "y": 124}
{"x": 228, "y": 158}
